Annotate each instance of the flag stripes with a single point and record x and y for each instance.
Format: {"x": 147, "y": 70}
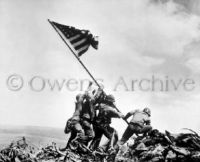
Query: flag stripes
{"x": 80, "y": 40}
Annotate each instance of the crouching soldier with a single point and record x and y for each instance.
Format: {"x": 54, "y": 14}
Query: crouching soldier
{"x": 139, "y": 124}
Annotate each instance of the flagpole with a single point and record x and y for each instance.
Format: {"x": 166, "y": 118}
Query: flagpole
{"x": 80, "y": 61}
{"x": 75, "y": 55}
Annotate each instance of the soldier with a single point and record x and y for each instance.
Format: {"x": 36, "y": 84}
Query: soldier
{"x": 80, "y": 123}
{"x": 102, "y": 124}
{"x": 87, "y": 113}
{"x": 73, "y": 127}
{"x": 140, "y": 123}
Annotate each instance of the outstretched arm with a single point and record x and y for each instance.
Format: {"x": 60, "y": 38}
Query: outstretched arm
{"x": 111, "y": 111}
{"x": 130, "y": 114}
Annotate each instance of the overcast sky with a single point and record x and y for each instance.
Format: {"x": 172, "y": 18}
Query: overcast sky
{"x": 138, "y": 39}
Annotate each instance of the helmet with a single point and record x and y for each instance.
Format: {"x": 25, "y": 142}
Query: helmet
{"x": 147, "y": 110}
{"x": 78, "y": 97}
{"x": 110, "y": 98}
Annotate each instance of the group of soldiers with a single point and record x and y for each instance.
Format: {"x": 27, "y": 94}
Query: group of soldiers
{"x": 92, "y": 118}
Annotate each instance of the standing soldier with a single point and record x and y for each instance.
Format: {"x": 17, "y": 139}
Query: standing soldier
{"x": 102, "y": 124}
{"x": 87, "y": 113}
{"x": 80, "y": 123}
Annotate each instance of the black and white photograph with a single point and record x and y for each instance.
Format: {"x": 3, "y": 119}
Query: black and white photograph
{"x": 100, "y": 81}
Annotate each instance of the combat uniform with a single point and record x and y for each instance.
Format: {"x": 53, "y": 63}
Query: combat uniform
{"x": 102, "y": 126}
{"x": 87, "y": 115}
{"x": 140, "y": 123}
{"x": 80, "y": 123}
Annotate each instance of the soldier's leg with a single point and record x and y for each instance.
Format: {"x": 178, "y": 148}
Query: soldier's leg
{"x": 97, "y": 138}
{"x": 69, "y": 130}
{"x": 72, "y": 137}
{"x": 115, "y": 138}
{"x": 89, "y": 133}
{"x": 76, "y": 133}
{"x": 112, "y": 136}
{"x": 78, "y": 141}
{"x": 67, "y": 127}
{"x": 79, "y": 131}
{"x": 126, "y": 135}
{"x": 145, "y": 129}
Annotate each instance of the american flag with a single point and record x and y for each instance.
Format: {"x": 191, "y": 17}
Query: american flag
{"x": 80, "y": 40}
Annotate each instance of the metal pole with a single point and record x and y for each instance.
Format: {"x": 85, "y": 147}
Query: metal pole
{"x": 75, "y": 54}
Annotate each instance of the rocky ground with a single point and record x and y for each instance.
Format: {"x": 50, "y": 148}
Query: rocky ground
{"x": 155, "y": 147}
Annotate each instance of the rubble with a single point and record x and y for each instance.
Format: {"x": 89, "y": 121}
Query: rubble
{"x": 154, "y": 147}
{"x": 165, "y": 147}
{"x": 20, "y": 151}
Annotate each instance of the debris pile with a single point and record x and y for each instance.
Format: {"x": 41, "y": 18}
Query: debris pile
{"x": 159, "y": 146}
{"x": 18, "y": 151}
{"x": 154, "y": 147}
{"x": 21, "y": 151}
